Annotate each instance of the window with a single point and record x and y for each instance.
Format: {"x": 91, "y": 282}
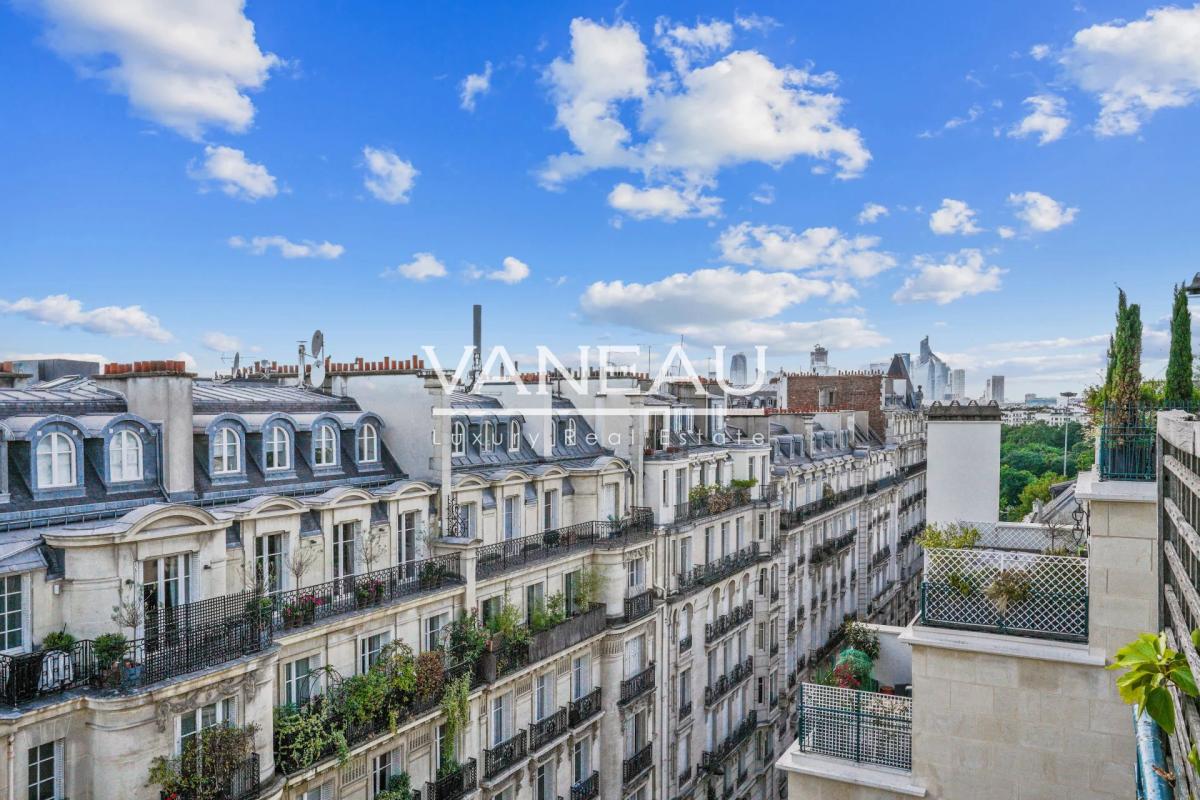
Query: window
{"x": 125, "y": 457}
{"x": 343, "y": 549}
{"x": 550, "y": 509}
{"x": 535, "y": 597}
{"x": 685, "y": 555}
{"x": 666, "y": 488}
{"x": 368, "y": 444}
{"x": 369, "y": 648}
{"x": 581, "y": 759}
{"x": 570, "y": 590}
{"x": 381, "y": 772}
{"x": 633, "y": 656}
{"x": 433, "y": 630}
{"x": 227, "y": 452}
{"x": 581, "y": 677}
{"x": 45, "y": 771}
{"x": 489, "y": 608}
{"x": 636, "y": 571}
{"x": 410, "y": 521}
{"x": 501, "y": 718}
{"x": 569, "y": 435}
{"x": 553, "y": 433}
{"x": 55, "y": 461}
{"x": 325, "y": 447}
{"x": 543, "y": 787}
{"x": 512, "y": 517}
{"x": 12, "y": 605}
{"x": 683, "y": 758}
{"x": 278, "y": 448}
{"x": 192, "y": 723}
{"x": 458, "y": 439}
{"x": 467, "y": 518}
{"x": 685, "y": 687}
{"x": 611, "y": 503}
{"x": 268, "y": 562}
{"x": 514, "y": 436}
{"x": 166, "y": 583}
{"x": 488, "y": 441}
{"x": 543, "y": 696}
{"x": 299, "y": 679}
{"x": 322, "y": 792}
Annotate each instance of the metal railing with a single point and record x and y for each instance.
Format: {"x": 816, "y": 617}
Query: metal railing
{"x": 242, "y": 783}
{"x": 728, "y": 622}
{"x": 493, "y": 559}
{"x": 1127, "y": 443}
{"x": 638, "y": 606}
{"x": 719, "y": 501}
{"x": 581, "y": 710}
{"x": 685, "y": 710}
{"x": 454, "y": 785}
{"x": 710, "y": 761}
{"x": 685, "y": 643}
{"x": 634, "y": 766}
{"x": 639, "y": 684}
{"x": 726, "y": 683}
{"x": 1023, "y": 594}
{"x": 504, "y": 755}
{"x": 863, "y": 727}
{"x": 547, "y": 730}
{"x": 587, "y": 788}
{"x": 703, "y": 575}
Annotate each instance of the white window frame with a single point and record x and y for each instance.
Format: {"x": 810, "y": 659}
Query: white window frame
{"x": 296, "y": 683}
{"x": 325, "y": 443}
{"x": 369, "y": 648}
{"x": 277, "y": 450}
{"x": 514, "y": 436}
{"x": 269, "y": 565}
{"x": 487, "y": 437}
{"x": 13, "y": 586}
{"x": 227, "y": 451}
{"x": 57, "y": 451}
{"x": 458, "y": 439}
{"x": 434, "y": 625}
{"x": 45, "y": 762}
{"x": 382, "y": 765}
{"x": 125, "y": 457}
{"x": 368, "y": 444}
{"x": 224, "y": 713}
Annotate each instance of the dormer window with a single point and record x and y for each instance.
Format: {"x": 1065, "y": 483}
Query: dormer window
{"x": 125, "y": 457}
{"x": 553, "y": 433}
{"x": 278, "y": 448}
{"x": 569, "y": 436}
{"x": 368, "y": 444}
{"x": 227, "y": 452}
{"x": 56, "y": 461}
{"x": 458, "y": 440}
{"x": 514, "y": 436}
{"x": 489, "y": 438}
{"x": 325, "y": 450}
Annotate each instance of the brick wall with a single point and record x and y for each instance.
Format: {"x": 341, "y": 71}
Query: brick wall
{"x": 853, "y": 391}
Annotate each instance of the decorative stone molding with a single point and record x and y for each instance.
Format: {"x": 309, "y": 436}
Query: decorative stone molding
{"x": 244, "y": 686}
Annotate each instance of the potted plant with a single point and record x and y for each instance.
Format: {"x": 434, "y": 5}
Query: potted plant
{"x": 130, "y": 612}
{"x": 1011, "y": 586}
{"x": 302, "y": 612}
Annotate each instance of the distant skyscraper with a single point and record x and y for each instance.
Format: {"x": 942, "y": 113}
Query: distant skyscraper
{"x": 737, "y": 370}
{"x": 995, "y": 389}
{"x": 958, "y": 384}
{"x": 931, "y": 374}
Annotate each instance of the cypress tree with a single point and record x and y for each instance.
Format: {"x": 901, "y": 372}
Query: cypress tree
{"x": 1127, "y": 358}
{"x": 1179, "y": 366}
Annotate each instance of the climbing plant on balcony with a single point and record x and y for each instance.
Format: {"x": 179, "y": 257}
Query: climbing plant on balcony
{"x": 548, "y": 614}
{"x": 206, "y": 766}
{"x": 1151, "y": 668}
{"x": 468, "y": 637}
{"x": 456, "y": 705}
{"x": 953, "y": 536}
{"x": 589, "y": 588}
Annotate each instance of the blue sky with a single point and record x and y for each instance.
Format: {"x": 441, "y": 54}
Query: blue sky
{"x": 1030, "y": 157}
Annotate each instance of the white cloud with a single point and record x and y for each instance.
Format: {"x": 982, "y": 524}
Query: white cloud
{"x": 957, "y": 275}
{"x": 1041, "y": 212}
{"x": 259, "y": 245}
{"x": 1005, "y": 232}
{"x": 476, "y": 84}
{"x": 825, "y": 251}
{"x": 1137, "y": 68}
{"x": 390, "y": 177}
{"x": 755, "y": 22}
{"x": 186, "y": 65}
{"x": 684, "y": 44}
{"x": 63, "y": 311}
{"x": 220, "y": 342}
{"x": 423, "y": 267}
{"x": 841, "y": 333}
{"x": 237, "y": 176}
{"x": 739, "y": 109}
{"x": 18, "y": 356}
{"x": 189, "y": 360}
{"x": 665, "y": 202}
{"x": 973, "y": 113}
{"x": 842, "y": 292}
{"x": 1047, "y": 118}
{"x": 955, "y": 216}
{"x": 1039, "y": 51}
{"x": 764, "y": 195}
{"x": 513, "y": 271}
{"x": 871, "y": 212}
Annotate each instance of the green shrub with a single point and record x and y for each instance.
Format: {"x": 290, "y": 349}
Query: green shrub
{"x": 301, "y": 737}
{"x": 109, "y": 648}
{"x": 59, "y": 640}
{"x": 955, "y": 536}
{"x": 862, "y": 638}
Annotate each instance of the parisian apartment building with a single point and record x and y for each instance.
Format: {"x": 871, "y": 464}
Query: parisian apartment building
{"x": 528, "y": 586}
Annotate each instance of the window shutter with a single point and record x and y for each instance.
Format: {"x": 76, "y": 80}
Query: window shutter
{"x": 327, "y": 790}
{"x": 60, "y": 788}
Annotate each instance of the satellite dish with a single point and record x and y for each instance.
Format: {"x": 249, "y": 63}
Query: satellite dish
{"x": 318, "y": 344}
{"x": 317, "y": 375}
{"x": 237, "y": 362}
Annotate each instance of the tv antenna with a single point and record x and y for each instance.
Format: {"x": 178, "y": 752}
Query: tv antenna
{"x": 317, "y": 377}
{"x": 237, "y": 363}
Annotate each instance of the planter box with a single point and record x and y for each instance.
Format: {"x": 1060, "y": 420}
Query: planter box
{"x": 567, "y": 634}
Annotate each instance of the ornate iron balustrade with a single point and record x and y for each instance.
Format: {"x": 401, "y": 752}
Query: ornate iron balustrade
{"x": 728, "y": 682}
{"x": 792, "y": 625}
{"x": 913, "y": 469}
{"x": 882, "y": 483}
{"x": 504, "y": 755}
{"x": 493, "y": 559}
{"x": 718, "y": 501}
{"x": 685, "y": 643}
{"x": 727, "y": 622}
{"x": 711, "y": 761}
{"x": 774, "y": 596}
{"x": 685, "y": 710}
{"x": 715, "y": 571}
{"x": 881, "y": 556}
{"x": 792, "y": 568}
{"x": 638, "y": 606}
{"x": 547, "y": 730}
{"x": 639, "y": 684}
{"x": 637, "y": 764}
{"x": 583, "y": 709}
{"x": 587, "y": 788}
{"x": 774, "y": 649}
{"x": 242, "y": 783}
{"x": 845, "y": 540}
{"x": 863, "y": 727}
{"x": 454, "y": 785}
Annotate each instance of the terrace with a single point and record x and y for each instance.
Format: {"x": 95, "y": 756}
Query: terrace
{"x": 502, "y": 557}
{"x": 709, "y": 501}
{"x": 713, "y": 572}
{"x": 726, "y": 683}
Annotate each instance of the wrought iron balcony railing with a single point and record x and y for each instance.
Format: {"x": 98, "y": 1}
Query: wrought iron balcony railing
{"x": 638, "y": 606}
{"x": 547, "y": 730}
{"x": 587, "y": 788}
{"x": 708, "y": 574}
{"x": 241, "y": 783}
{"x": 494, "y": 559}
{"x": 581, "y": 710}
{"x": 726, "y": 683}
{"x": 727, "y": 622}
{"x": 639, "y": 684}
{"x": 504, "y": 755}
{"x": 711, "y": 761}
{"x": 637, "y": 764}
{"x": 718, "y": 501}
{"x": 454, "y": 785}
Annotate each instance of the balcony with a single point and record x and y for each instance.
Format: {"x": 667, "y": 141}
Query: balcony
{"x": 727, "y": 622}
{"x": 1006, "y": 591}
{"x": 638, "y": 685}
{"x": 881, "y": 556}
{"x": 495, "y": 559}
{"x": 581, "y": 710}
{"x": 774, "y": 649}
{"x": 913, "y": 469}
{"x": 567, "y": 634}
{"x": 863, "y": 727}
{"x": 638, "y": 606}
{"x": 685, "y": 710}
{"x": 504, "y": 755}
{"x": 686, "y": 775}
{"x": 455, "y": 785}
{"x": 707, "y": 574}
{"x": 728, "y": 682}
{"x": 636, "y": 765}
{"x": 685, "y": 643}
{"x": 711, "y": 761}
{"x": 544, "y": 731}
{"x": 1127, "y": 449}
{"x": 718, "y": 500}
{"x": 774, "y": 596}
{"x": 587, "y": 788}
{"x": 241, "y": 783}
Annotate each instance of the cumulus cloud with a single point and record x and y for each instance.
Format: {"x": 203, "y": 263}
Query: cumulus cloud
{"x": 664, "y": 202}
{"x": 955, "y": 216}
{"x": 1006, "y": 232}
{"x": 824, "y": 251}
{"x": 423, "y": 267}
{"x": 871, "y": 212}
{"x": 764, "y": 195}
{"x": 740, "y": 108}
{"x": 1039, "y": 51}
{"x": 1138, "y": 68}
{"x": 234, "y": 173}
{"x": 63, "y": 311}
{"x": 389, "y": 178}
{"x": 513, "y": 270}
{"x": 1041, "y": 212}
{"x": 476, "y": 84}
{"x": 188, "y": 66}
{"x": 259, "y": 245}
{"x": 973, "y": 113}
{"x": 220, "y": 342}
{"x": 943, "y": 281}
{"x": 189, "y": 360}
{"x": 684, "y": 44}
{"x": 1047, "y": 119}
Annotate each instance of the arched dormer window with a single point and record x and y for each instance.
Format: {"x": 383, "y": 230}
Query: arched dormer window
{"x": 56, "y": 461}
{"x": 553, "y": 433}
{"x": 569, "y": 435}
{"x": 278, "y": 448}
{"x": 487, "y": 441}
{"x": 125, "y": 457}
{"x": 227, "y": 452}
{"x": 514, "y": 436}
{"x": 458, "y": 439}
{"x": 368, "y": 444}
{"x": 325, "y": 446}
